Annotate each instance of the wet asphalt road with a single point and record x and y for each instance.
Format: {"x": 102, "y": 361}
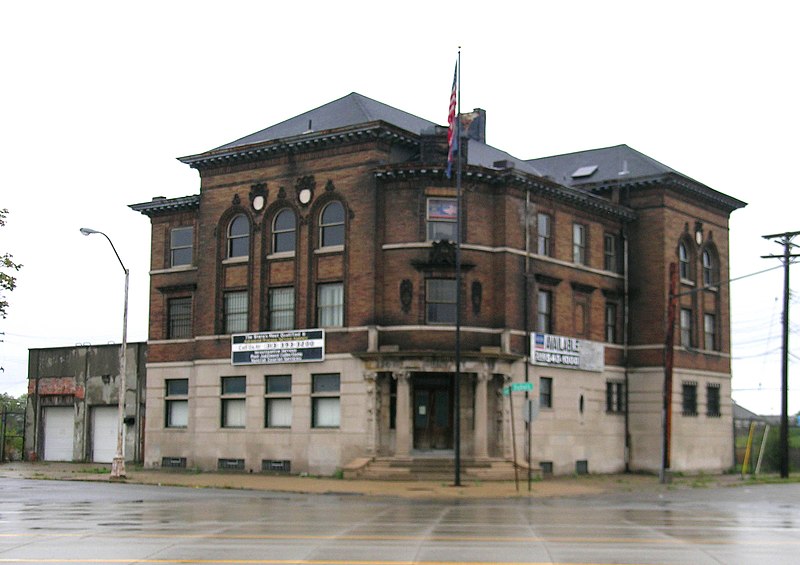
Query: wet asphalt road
{"x": 74, "y": 522}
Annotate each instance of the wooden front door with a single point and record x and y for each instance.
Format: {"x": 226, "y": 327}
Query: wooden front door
{"x": 433, "y": 412}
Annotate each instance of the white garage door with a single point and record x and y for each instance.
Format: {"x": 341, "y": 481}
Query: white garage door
{"x": 104, "y": 433}
{"x": 59, "y": 433}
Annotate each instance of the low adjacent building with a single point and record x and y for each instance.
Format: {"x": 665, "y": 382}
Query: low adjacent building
{"x": 73, "y": 403}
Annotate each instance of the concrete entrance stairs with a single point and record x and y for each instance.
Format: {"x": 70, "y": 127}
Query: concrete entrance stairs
{"x": 431, "y": 469}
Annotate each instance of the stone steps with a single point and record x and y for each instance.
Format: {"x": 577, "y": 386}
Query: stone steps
{"x": 431, "y": 469}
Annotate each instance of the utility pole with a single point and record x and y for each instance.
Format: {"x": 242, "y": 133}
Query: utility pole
{"x": 784, "y": 239}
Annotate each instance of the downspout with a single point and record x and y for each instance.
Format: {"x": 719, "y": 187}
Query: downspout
{"x": 625, "y": 344}
{"x": 526, "y": 316}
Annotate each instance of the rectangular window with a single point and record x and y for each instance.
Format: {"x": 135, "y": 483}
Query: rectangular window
{"x": 710, "y": 331}
{"x": 440, "y": 301}
{"x": 579, "y": 244}
{"x": 712, "y": 401}
{"x": 325, "y": 408}
{"x": 545, "y": 392}
{"x": 233, "y": 402}
{"x": 544, "y": 312}
{"x": 615, "y": 397}
{"x": 281, "y": 308}
{"x": 610, "y": 259}
{"x": 235, "y": 312}
{"x": 181, "y": 243}
{"x": 689, "y": 404}
{"x": 330, "y": 305}
{"x": 686, "y": 327}
{"x": 278, "y": 401}
{"x": 544, "y": 244}
{"x": 442, "y": 219}
{"x": 611, "y": 322}
{"x": 176, "y": 399}
{"x": 179, "y": 313}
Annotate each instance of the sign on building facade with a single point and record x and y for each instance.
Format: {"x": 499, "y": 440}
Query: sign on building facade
{"x": 567, "y": 352}
{"x": 297, "y": 346}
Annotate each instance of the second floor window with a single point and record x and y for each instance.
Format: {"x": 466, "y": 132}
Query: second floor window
{"x": 686, "y": 327}
{"x": 442, "y": 219}
{"x": 330, "y": 305}
{"x": 181, "y": 242}
{"x": 440, "y": 301}
{"x": 180, "y": 318}
{"x": 710, "y": 331}
{"x": 544, "y": 312}
{"x": 281, "y": 308}
{"x": 579, "y": 244}
{"x": 239, "y": 237}
{"x": 235, "y": 312}
{"x": 331, "y": 225}
{"x": 543, "y": 235}
{"x": 284, "y": 234}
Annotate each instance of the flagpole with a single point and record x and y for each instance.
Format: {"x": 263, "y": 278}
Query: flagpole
{"x": 457, "y": 388}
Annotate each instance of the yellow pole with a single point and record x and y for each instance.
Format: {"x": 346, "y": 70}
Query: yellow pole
{"x": 749, "y": 446}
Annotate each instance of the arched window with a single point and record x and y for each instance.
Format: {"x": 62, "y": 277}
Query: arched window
{"x": 284, "y": 231}
{"x": 683, "y": 261}
{"x": 239, "y": 237}
{"x": 331, "y": 225}
{"x": 708, "y": 268}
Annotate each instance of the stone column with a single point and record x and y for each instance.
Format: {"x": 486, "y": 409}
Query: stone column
{"x": 402, "y": 446}
{"x": 372, "y": 411}
{"x": 481, "y": 447}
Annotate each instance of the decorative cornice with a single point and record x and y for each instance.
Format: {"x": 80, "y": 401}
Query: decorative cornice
{"x": 161, "y": 205}
{"x": 576, "y": 197}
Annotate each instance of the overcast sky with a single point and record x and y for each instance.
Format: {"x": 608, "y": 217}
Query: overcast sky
{"x": 99, "y": 98}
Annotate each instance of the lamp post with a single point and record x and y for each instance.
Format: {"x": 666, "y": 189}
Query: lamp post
{"x": 118, "y": 464}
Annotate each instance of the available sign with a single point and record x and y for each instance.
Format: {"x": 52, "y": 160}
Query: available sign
{"x": 297, "y": 346}
{"x": 566, "y": 352}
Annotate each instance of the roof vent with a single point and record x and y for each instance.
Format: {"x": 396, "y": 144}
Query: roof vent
{"x": 157, "y": 198}
{"x": 584, "y": 172}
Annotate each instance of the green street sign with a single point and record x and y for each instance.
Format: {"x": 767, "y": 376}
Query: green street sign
{"x": 518, "y": 387}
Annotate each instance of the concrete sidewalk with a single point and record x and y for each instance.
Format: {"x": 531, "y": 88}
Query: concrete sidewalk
{"x": 553, "y": 487}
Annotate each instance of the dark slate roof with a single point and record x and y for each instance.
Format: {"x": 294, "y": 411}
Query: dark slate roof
{"x": 613, "y": 164}
{"x": 482, "y": 155}
{"x": 346, "y": 111}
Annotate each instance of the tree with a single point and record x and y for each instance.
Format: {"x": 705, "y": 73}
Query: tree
{"x": 7, "y": 266}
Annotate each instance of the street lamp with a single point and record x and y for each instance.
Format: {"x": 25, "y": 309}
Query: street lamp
{"x": 118, "y": 464}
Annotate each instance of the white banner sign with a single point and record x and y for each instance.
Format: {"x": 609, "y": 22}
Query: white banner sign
{"x": 567, "y": 352}
{"x": 297, "y": 346}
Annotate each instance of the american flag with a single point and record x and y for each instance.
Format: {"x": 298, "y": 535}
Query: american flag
{"x": 452, "y": 135}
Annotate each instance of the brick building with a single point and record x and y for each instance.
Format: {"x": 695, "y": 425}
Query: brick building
{"x": 303, "y": 305}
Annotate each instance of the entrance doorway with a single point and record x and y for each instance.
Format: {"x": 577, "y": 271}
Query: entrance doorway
{"x": 433, "y": 411}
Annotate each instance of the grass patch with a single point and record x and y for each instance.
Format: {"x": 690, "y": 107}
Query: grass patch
{"x": 95, "y": 471}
